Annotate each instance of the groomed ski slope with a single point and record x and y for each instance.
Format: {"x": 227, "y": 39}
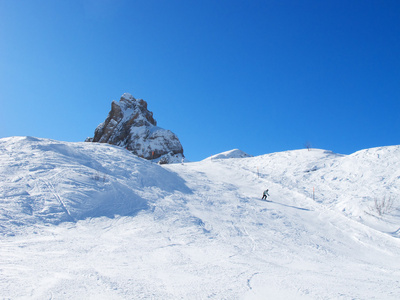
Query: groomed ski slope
{"x": 92, "y": 221}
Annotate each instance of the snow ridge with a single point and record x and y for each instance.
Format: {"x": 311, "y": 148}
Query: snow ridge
{"x": 235, "y": 153}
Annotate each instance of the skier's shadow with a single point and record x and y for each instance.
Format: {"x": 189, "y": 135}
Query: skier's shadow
{"x": 295, "y": 207}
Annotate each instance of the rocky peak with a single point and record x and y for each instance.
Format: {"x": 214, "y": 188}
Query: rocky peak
{"x": 131, "y": 125}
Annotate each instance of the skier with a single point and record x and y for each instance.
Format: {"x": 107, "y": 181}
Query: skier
{"x": 265, "y": 194}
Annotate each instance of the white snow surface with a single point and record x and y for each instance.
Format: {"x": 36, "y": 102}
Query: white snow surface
{"x": 93, "y": 221}
{"x": 235, "y": 153}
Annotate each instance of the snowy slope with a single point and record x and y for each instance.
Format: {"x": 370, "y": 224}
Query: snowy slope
{"x": 350, "y": 184}
{"x": 197, "y": 230}
{"x": 50, "y": 181}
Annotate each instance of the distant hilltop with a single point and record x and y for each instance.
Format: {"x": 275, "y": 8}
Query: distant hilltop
{"x": 131, "y": 125}
{"x": 235, "y": 153}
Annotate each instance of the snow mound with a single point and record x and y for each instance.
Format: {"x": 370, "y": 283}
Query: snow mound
{"x": 51, "y": 181}
{"x": 235, "y": 153}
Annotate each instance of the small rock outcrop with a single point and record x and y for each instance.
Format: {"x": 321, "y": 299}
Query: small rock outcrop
{"x": 131, "y": 125}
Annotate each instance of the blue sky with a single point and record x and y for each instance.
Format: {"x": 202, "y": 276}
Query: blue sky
{"x": 261, "y": 76}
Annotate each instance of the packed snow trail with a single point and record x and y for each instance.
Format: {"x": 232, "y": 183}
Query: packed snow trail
{"x": 197, "y": 230}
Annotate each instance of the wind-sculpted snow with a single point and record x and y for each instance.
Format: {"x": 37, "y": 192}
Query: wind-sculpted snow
{"x": 51, "y": 181}
{"x": 136, "y": 230}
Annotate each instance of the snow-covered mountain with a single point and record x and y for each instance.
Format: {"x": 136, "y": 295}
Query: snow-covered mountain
{"x": 235, "y": 153}
{"x": 89, "y": 220}
{"x": 131, "y": 125}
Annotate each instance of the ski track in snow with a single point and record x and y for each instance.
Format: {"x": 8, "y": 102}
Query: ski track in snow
{"x": 197, "y": 230}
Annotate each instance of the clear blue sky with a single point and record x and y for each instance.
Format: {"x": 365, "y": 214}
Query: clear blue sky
{"x": 261, "y": 76}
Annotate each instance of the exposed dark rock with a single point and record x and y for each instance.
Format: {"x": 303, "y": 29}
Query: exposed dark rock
{"x": 131, "y": 125}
